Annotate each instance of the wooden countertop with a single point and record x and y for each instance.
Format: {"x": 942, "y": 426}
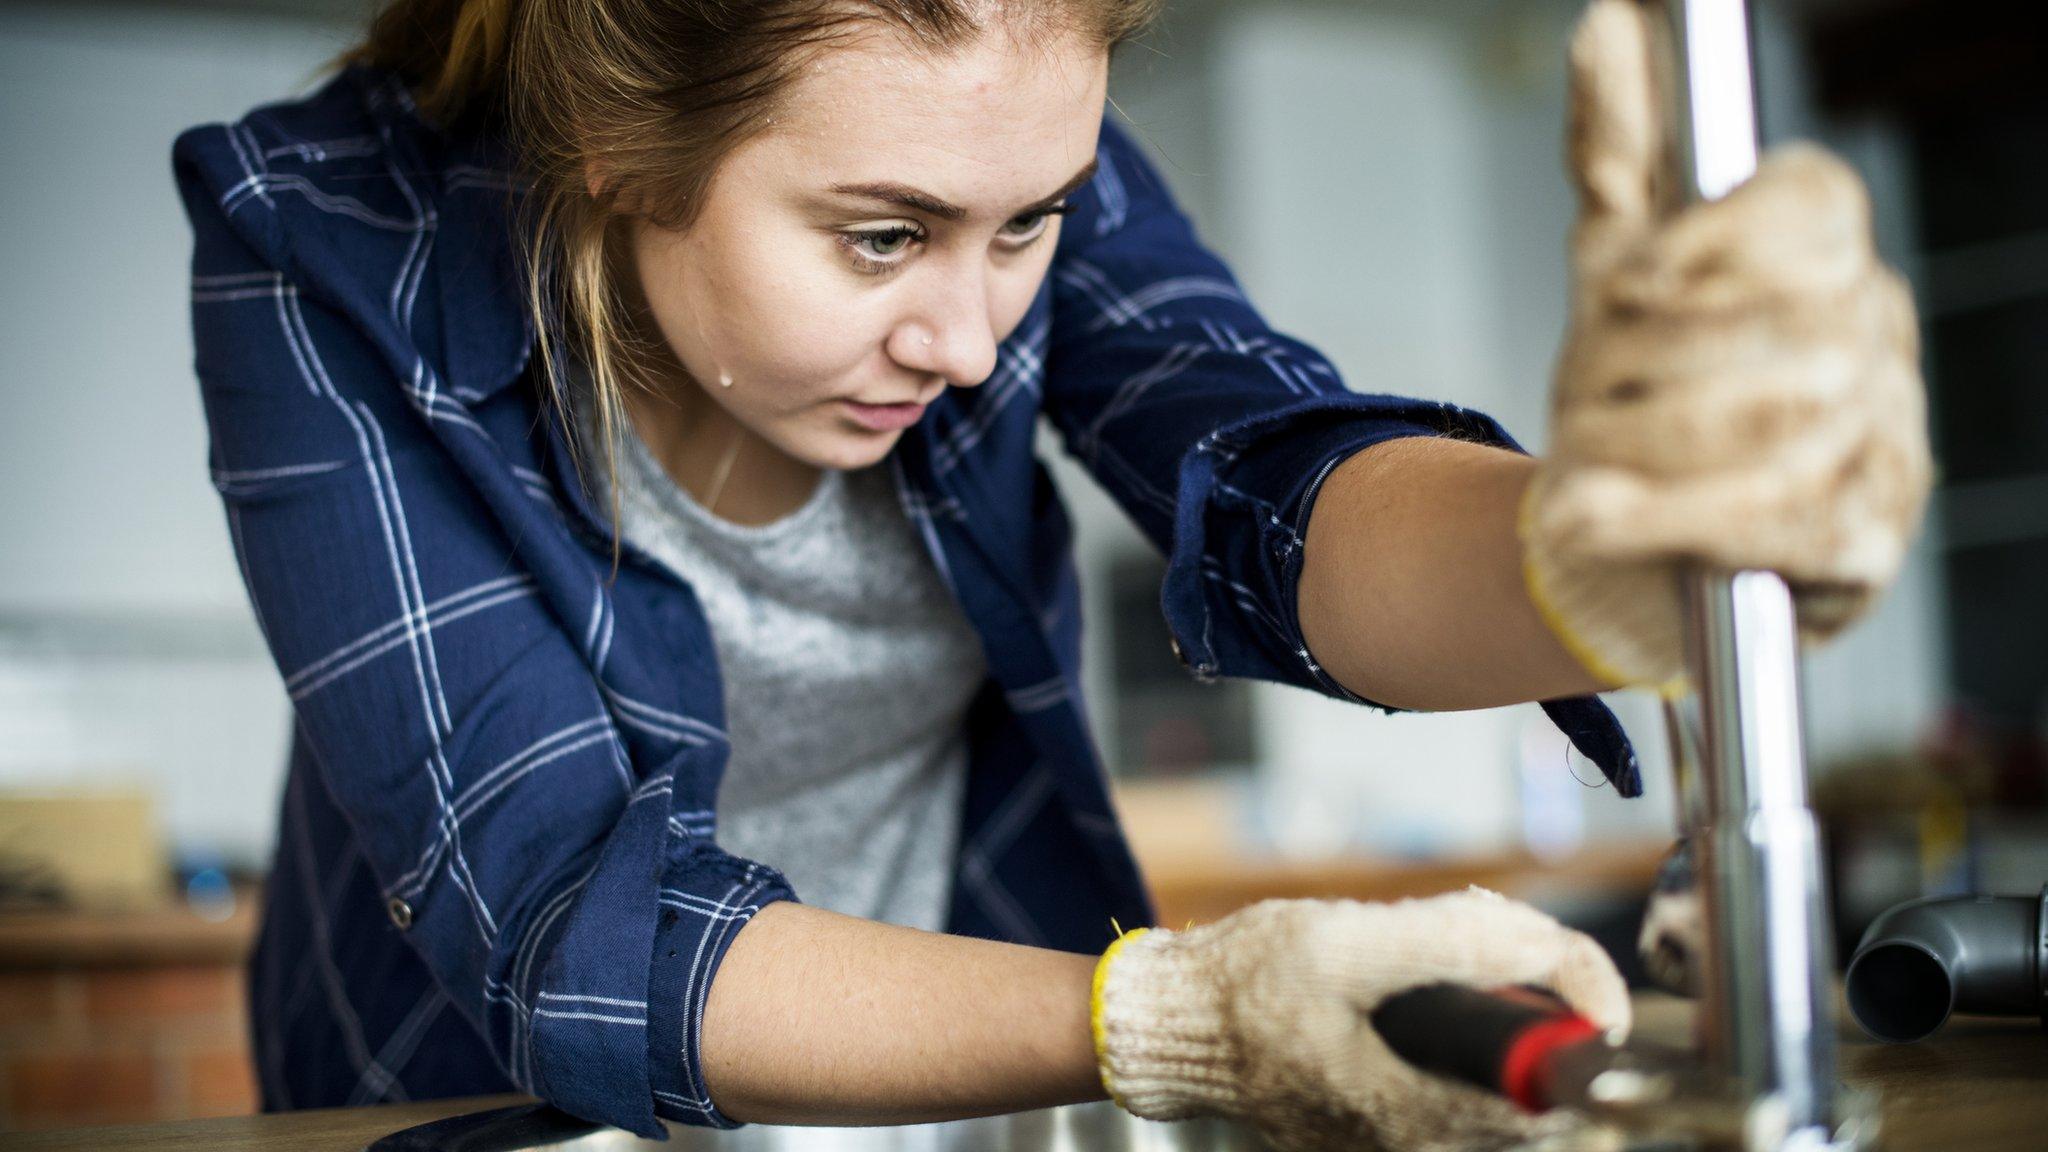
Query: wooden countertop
{"x": 163, "y": 936}
{"x": 1187, "y": 836}
{"x": 1201, "y": 865}
{"x": 313, "y": 1130}
{"x": 1200, "y": 890}
{"x": 1196, "y": 882}
{"x": 1980, "y": 1086}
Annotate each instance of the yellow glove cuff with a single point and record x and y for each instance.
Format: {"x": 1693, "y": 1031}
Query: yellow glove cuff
{"x": 1095, "y": 1025}
{"x": 1609, "y": 677}
{"x": 1599, "y": 667}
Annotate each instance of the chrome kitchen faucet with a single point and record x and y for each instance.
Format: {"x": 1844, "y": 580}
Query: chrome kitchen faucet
{"x": 1766, "y": 1014}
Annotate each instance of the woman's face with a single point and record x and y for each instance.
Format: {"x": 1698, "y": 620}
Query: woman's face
{"x": 876, "y": 243}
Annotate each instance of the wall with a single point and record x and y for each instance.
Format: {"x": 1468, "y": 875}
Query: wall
{"x": 127, "y": 652}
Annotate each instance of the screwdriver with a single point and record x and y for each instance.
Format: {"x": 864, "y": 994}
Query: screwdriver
{"x": 1520, "y": 1042}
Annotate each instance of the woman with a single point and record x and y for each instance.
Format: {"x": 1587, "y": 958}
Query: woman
{"x": 661, "y": 541}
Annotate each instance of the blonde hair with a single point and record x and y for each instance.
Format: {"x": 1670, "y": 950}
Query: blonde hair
{"x": 654, "y": 94}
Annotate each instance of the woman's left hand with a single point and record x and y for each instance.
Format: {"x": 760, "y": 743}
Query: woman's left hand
{"x": 1266, "y": 1017}
{"x": 1740, "y": 386}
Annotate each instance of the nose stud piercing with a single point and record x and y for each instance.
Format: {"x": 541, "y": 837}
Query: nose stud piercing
{"x": 725, "y": 379}
{"x": 927, "y": 340}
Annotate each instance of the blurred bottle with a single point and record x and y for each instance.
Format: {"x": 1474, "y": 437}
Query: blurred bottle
{"x": 204, "y": 882}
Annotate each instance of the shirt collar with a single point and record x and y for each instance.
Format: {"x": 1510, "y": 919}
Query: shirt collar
{"x": 487, "y": 330}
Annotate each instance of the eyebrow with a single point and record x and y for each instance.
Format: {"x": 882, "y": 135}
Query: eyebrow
{"x": 905, "y": 196}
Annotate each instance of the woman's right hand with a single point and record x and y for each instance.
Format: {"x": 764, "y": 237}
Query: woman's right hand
{"x": 1264, "y": 1017}
{"x": 1739, "y": 387}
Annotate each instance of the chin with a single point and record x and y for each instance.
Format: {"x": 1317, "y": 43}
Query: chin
{"x": 853, "y": 453}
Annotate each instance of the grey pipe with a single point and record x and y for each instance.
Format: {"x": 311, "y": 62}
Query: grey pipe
{"x": 1925, "y": 959}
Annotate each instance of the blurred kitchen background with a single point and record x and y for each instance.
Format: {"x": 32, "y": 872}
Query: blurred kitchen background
{"x": 1384, "y": 176}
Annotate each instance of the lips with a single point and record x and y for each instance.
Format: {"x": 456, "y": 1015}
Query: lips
{"x": 884, "y": 417}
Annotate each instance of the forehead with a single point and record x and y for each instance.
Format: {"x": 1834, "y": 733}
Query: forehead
{"x": 988, "y": 125}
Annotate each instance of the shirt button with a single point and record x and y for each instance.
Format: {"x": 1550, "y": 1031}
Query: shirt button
{"x": 400, "y": 912}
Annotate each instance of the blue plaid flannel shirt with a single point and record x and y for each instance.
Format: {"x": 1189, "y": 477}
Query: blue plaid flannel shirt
{"x": 498, "y": 866}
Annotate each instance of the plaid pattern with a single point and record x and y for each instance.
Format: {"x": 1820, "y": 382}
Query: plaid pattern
{"x": 523, "y": 751}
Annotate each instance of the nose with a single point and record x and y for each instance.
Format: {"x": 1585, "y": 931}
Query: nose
{"x": 947, "y": 331}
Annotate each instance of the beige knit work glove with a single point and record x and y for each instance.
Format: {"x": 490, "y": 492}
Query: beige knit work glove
{"x": 1264, "y": 1018}
{"x": 1739, "y": 387}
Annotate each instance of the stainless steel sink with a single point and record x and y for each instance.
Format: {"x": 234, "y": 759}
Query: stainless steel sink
{"x": 1080, "y": 1128}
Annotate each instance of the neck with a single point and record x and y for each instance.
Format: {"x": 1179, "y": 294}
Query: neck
{"x": 735, "y": 474}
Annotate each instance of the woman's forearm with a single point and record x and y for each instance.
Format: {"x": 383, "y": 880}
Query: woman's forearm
{"x": 1411, "y": 587}
{"x": 1411, "y": 594}
{"x": 818, "y": 1018}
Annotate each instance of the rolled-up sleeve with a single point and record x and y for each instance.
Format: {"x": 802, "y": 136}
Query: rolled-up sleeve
{"x": 1212, "y": 430}
{"x": 530, "y": 850}
{"x": 1215, "y": 432}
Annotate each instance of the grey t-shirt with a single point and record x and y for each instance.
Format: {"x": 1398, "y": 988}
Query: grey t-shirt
{"x": 848, "y": 668}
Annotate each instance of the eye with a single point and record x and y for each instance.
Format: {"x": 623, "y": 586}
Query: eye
{"x": 1022, "y": 230}
{"x": 887, "y": 243}
{"x": 879, "y": 249}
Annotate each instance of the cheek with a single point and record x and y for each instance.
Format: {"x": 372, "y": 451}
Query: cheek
{"x": 1010, "y": 303}
{"x": 780, "y": 314}
{"x": 1013, "y": 294}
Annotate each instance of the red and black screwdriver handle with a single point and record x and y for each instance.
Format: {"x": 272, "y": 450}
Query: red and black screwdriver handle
{"x": 1505, "y": 1040}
